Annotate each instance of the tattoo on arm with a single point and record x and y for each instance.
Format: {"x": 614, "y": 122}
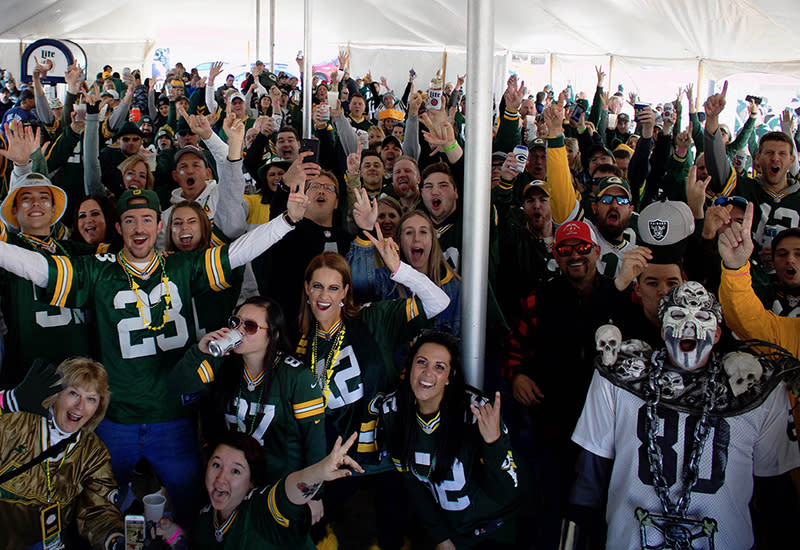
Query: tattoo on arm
{"x": 308, "y": 491}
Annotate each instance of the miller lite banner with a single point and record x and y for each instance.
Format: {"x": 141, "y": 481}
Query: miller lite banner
{"x": 56, "y": 55}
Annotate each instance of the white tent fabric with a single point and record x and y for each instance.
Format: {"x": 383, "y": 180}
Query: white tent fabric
{"x": 727, "y": 35}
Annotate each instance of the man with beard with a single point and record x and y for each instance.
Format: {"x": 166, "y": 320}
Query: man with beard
{"x": 363, "y": 170}
{"x": 548, "y": 361}
{"x": 613, "y": 213}
{"x": 677, "y": 443}
{"x": 405, "y": 183}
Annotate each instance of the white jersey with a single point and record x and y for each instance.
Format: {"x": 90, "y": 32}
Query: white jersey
{"x": 609, "y": 262}
{"x": 613, "y": 425}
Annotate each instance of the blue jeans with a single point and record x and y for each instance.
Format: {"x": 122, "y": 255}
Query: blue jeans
{"x": 170, "y": 447}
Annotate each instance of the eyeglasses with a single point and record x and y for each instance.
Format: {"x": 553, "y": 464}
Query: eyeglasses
{"x": 581, "y": 248}
{"x": 607, "y": 199}
{"x": 134, "y": 139}
{"x": 249, "y": 327}
{"x": 329, "y": 187}
{"x": 736, "y": 201}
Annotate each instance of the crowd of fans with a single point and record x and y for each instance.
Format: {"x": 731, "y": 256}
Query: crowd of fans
{"x": 257, "y": 298}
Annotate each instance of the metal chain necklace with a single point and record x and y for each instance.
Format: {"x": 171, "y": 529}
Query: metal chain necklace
{"x": 678, "y": 530}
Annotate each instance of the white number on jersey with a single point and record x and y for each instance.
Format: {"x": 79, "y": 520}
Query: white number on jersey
{"x": 147, "y": 346}
{"x": 245, "y": 410}
{"x": 346, "y": 385}
{"x": 442, "y": 489}
{"x": 64, "y": 316}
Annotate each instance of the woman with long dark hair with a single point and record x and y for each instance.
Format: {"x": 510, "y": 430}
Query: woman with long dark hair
{"x": 259, "y": 389}
{"x": 447, "y": 440}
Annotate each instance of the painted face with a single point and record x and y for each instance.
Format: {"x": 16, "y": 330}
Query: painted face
{"x": 135, "y": 176}
{"x": 139, "y": 228}
{"x": 387, "y": 217}
{"x": 75, "y": 407}
{"x": 439, "y": 196}
{"x": 787, "y": 262}
{"x": 416, "y": 239}
{"x": 186, "y": 229}
{"x": 191, "y": 174}
{"x": 34, "y": 209}
{"x": 689, "y": 326}
{"x": 326, "y": 290}
{"x": 227, "y": 479}
{"x": 91, "y": 222}
{"x": 430, "y": 374}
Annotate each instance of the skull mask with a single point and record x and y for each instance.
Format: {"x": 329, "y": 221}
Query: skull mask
{"x": 689, "y": 319}
{"x": 633, "y": 367}
{"x": 608, "y": 339}
{"x": 743, "y": 370}
{"x": 671, "y": 384}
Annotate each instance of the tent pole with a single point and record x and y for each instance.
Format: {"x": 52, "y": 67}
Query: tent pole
{"x": 610, "y": 72}
{"x": 477, "y": 171}
{"x": 307, "y": 76}
{"x": 272, "y": 36}
{"x": 444, "y": 68}
{"x": 258, "y": 29}
{"x": 699, "y": 83}
{"x": 552, "y": 58}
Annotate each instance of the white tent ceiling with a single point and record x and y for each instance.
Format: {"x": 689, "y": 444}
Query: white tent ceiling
{"x": 727, "y": 35}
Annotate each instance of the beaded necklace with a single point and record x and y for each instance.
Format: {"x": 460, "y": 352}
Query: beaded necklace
{"x": 330, "y": 360}
{"x": 127, "y": 268}
{"x": 46, "y": 466}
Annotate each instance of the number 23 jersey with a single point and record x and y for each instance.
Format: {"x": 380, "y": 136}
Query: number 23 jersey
{"x": 613, "y": 425}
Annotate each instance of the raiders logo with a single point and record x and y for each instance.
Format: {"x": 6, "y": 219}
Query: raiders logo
{"x": 658, "y": 229}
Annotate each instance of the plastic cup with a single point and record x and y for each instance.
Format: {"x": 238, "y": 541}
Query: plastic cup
{"x": 154, "y": 506}
{"x": 80, "y": 111}
{"x": 333, "y": 97}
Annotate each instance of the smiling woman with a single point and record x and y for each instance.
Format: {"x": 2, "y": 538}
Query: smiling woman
{"x": 76, "y": 480}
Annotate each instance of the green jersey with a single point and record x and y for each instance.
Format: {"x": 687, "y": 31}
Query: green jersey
{"x": 774, "y": 212}
{"x": 265, "y": 519}
{"x": 361, "y": 367}
{"x": 36, "y": 329}
{"x": 287, "y": 421}
{"x": 143, "y": 320}
{"x": 481, "y": 488}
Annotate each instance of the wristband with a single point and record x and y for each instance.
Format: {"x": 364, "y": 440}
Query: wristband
{"x": 450, "y": 147}
{"x": 175, "y": 535}
{"x": 288, "y": 220}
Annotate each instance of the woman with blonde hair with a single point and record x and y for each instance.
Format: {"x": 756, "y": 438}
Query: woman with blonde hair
{"x": 67, "y": 469}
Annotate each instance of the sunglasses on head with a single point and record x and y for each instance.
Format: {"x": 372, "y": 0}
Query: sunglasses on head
{"x": 581, "y": 248}
{"x": 249, "y": 327}
{"x": 736, "y": 201}
{"x": 607, "y": 199}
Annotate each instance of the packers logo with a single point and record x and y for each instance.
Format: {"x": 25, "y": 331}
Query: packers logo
{"x": 136, "y": 191}
{"x": 658, "y": 229}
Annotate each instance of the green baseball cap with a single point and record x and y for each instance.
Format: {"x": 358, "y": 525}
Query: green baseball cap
{"x": 126, "y": 201}
{"x": 613, "y": 181}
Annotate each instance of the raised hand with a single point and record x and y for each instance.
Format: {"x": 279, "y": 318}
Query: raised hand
{"x": 736, "y": 243}
{"x": 214, "y": 71}
{"x": 387, "y": 248}
{"x": 298, "y": 202}
{"x": 514, "y": 93}
{"x": 633, "y": 263}
{"x": 553, "y": 116}
{"x": 488, "y": 417}
{"x": 414, "y": 103}
{"x": 76, "y": 126}
{"x": 601, "y": 75}
{"x": 787, "y": 122}
{"x": 715, "y": 104}
{"x": 234, "y": 129}
{"x": 198, "y": 124}
{"x": 365, "y": 211}
{"x": 22, "y": 142}
{"x": 72, "y": 77}
{"x": 460, "y": 81}
{"x": 41, "y": 381}
{"x": 354, "y": 162}
{"x": 696, "y": 192}
{"x": 716, "y": 218}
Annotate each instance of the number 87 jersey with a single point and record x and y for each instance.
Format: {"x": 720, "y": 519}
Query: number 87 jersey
{"x": 143, "y": 320}
{"x": 613, "y": 425}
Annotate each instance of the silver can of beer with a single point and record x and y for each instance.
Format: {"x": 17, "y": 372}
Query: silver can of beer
{"x": 220, "y": 347}
{"x": 521, "y": 155}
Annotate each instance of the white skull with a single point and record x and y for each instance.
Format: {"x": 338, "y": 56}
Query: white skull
{"x": 636, "y": 347}
{"x": 608, "y": 339}
{"x": 671, "y": 384}
{"x": 631, "y": 367}
{"x": 743, "y": 370}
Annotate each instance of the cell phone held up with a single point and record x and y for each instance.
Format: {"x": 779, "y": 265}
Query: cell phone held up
{"x": 577, "y": 112}
{"x": 755, "y": 99}
{"x": 310, "y": 144}
{"x": 637, "y": 109}
{"x": 134, "y": 532}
